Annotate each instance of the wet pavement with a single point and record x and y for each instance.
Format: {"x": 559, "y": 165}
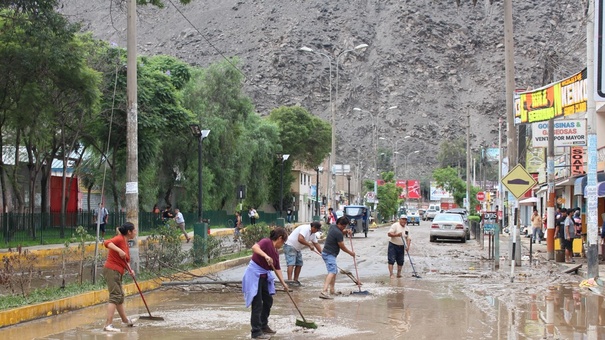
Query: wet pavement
{"x": 458, "y": 296}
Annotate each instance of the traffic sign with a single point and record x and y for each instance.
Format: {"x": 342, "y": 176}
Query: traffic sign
{"x": 481, "y": 196}
{"x": 518, "y": 181}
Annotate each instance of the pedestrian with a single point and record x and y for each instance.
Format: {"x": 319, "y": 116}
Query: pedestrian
{"x": 289, "y": 215}
{"x": 253, "y": 215}
{"x": 331, "y": 217}
{"x": 536, "y": 224}
{"x": 258, "y": 282}
{"x": 333, "y": 245}
{"x": 167, "y": 213}
{"x": 303, "y": 236}
{"x": 237, "y": 227}
{"x": 180, "y": 222}
{"x": 560, "y": 227}
{"x": 118, "y": 258}
{"x": 103, "y": 219}
{"x": 396, "y": 250}
{"x": 570, "y": 232}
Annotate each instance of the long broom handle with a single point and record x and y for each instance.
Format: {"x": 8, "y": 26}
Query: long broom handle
{"x": 355, "y": 264}
{"x": 287, "y": 292}
{"x": 139, "y": 288}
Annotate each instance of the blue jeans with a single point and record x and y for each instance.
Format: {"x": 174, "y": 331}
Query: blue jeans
{"x": 536, "y": 235}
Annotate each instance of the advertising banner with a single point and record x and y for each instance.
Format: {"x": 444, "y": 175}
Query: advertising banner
{"x": 414, "y": 189}
{"x": 567, "y": 133}
{"x": 577, "y": 161}
{"x": 437, "y": 193}
{"x": 402, "y": 184}
{"x": 559, "y": 99}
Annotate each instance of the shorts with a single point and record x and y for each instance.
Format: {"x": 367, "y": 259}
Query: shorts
{"x": 567, "y": 244}
{"x": 330, "y": 261}
{"x": 102, "y": 227}
{"x": 293, "y": 256}
{"x": 395, "y": 254}
{"x": 114, "y": 285}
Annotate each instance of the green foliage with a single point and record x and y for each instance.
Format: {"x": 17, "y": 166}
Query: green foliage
{"x": 452, "y": 153}
{"x": 474, "y": 218}
{"x": 388, "y": 196}
{"x": 449, "y": 180}
{"x": 49, "y": 294}
{"x": 205, "y": 249}
{"x": 255, "y": 233}
{"x": 164, "y": 249}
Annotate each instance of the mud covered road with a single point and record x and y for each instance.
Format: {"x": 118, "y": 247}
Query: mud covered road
{"x": 459, "y": 295}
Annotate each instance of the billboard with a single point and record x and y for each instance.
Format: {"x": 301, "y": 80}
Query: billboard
{"x": 413, "y": 189}
{"x": 402, "y": 184}
{"x": 559, "y": 99}
{"x": 567, "y": 133}
{"x": 437, "y": 193}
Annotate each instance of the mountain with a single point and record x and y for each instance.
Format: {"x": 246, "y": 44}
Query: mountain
{"x": 434, "y": 60}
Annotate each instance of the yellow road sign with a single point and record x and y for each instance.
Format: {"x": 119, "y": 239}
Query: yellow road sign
{"x": 518, "y": 181}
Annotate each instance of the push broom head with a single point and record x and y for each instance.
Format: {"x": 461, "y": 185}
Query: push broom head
{"x": 306, "y": 324}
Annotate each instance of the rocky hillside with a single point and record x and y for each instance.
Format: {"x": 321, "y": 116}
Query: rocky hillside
{"x": 433, "y": 60}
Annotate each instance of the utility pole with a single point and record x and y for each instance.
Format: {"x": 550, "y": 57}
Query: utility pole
{"x": 468, "y": 160}
{"x": 592, "y": 231}
{"x": 511, "y": 136}
{"x": 132, "y": 163}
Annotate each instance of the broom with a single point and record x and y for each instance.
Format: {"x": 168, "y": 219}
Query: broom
{"x": 144, "y": 317}
{"x": 302, "y": 323}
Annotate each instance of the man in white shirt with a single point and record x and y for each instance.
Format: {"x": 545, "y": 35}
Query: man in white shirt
{"x": 303, "y": 236}
{"x": 180, "y": 221}
{"x": 396, "y": 251}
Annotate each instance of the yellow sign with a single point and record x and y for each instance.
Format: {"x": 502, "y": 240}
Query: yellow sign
{"x": 518, "y": 181}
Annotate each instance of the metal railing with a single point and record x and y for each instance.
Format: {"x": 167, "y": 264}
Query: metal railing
{"x": 45, "y": 228}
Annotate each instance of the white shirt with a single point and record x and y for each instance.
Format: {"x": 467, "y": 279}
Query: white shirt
{"x": 396, "y": 228}
{"x": 179, "y": 218}
{"x": 305, "y": 231}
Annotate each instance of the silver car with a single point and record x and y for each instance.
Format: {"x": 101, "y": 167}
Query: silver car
{"x": 449, "y": 226}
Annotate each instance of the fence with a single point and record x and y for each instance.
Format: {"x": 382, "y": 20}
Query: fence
{"x": 47, "y": 228}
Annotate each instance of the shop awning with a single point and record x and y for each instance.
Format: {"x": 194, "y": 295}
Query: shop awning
{"x": 577, "y": 186}
{"x": 600, "y": 189}
{"x": 558, "y": 184}
{"x": 529, "y": 201}
{"x": 582, "y": 188}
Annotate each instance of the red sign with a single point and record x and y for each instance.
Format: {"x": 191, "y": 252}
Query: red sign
{"x": 481, "y": 196}
{"x": 577, "y": 160}
{"x": 414, "y": 189}
{"x": 401, "y": 183}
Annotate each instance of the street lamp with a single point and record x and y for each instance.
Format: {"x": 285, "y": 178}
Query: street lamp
{"x": 200, "y": 134}
{"x": 332, "y": 119}
{"x": 395, "y": 153}
{"x": 406, "y": 162}
{"x": 319, "y": 170}
{"x": 282, "y": 158}
{"x": 374, "y": 132}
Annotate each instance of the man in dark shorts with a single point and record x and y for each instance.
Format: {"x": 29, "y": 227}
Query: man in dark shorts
{"x": 396, "y": 251}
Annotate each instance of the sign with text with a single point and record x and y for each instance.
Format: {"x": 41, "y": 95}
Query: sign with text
{"x": 490, "y": 221}
{"x": 577, "y": 161}
{"x": 563, "y": 98}
{"x": 567, "y": 133}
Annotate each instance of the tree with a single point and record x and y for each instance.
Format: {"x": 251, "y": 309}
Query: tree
{"x": 448, "y": 179}
{"x": 388, "y": 196}
{"x": 452, "y": 153}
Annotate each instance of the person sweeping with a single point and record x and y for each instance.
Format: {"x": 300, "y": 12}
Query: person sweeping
{"x": 258, "y": 282}
{"x": 113, "y": 270}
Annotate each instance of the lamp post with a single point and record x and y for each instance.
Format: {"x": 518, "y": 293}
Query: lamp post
{"x": 349, "y": 189}
{"x": 406, "y": 162}
{"x": 395, "y": 153}
{"x": 200, "y": 134}
{"x": 282, "y": 159}
{"x": 374, "y": 132}
{"x": 319, "y": 169}
{"x": 332, "y": 119}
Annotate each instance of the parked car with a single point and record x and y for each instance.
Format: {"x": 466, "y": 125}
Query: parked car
{"x": 430, "y": 214}
{"x": 459, "y": 211}
{"x": 421, "y": 213}
{"x": 450, "y": 226}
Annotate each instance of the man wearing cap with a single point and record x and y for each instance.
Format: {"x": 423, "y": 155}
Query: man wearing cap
{"x": 303, "y": 236}
{"x": 396, "y": 251}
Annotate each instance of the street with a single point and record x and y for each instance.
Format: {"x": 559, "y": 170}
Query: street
{"x": 458, "y": 296}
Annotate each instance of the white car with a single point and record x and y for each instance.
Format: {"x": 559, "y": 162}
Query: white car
{"x": 449, "y": 226}
{"x": 430, "y": 213}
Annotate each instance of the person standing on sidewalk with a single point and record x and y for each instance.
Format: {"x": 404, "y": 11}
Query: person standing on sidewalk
{"x": 253, "y": 215}
{"x": 333, "y": 245}
{"x": 258, "y": 283}
{"x": 536, "y": 224}
{"x": 303, "y": 236}
{"x": 569, "y": 230}
{"x": 180, "y": 222}
{"x": 396, "y": 250}
{"x": 118, "y": 258}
